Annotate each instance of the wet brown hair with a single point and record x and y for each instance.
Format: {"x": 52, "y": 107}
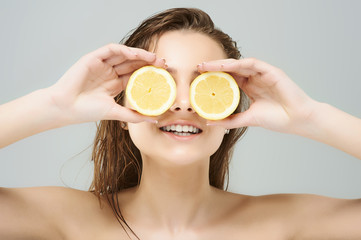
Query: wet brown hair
{"x": 117, "y": 161}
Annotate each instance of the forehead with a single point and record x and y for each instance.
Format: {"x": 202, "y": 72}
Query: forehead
{"x": 186, "y": 44}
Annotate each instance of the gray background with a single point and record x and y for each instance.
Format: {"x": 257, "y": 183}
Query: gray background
{"x": 317, "y": 43}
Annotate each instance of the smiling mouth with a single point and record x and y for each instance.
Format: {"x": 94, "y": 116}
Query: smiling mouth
{"x": 181, "y": 130}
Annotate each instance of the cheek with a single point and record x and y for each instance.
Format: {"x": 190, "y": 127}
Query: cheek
{"x": 140, "y": 135}
{"x": 215, "y": 139}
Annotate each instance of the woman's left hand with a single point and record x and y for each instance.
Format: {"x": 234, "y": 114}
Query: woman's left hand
{"x": 277, "y": 103}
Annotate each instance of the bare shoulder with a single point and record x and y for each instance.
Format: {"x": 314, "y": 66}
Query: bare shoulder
{"x": 321, "y": 217}
{"x": 48, "y": 212}
{"x": 302, "y": 216}
{"x": 46, "y": 198}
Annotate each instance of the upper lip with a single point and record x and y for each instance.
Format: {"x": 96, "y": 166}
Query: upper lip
{"x": 182, "y": 123}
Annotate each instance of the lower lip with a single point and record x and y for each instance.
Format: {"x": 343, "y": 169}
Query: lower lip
{"x": 181, "y": 138}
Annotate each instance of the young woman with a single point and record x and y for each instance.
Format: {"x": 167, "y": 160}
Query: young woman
{"x": 153, "y": 184}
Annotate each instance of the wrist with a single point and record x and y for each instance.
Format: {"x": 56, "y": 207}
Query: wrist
{"x": 28, "y": 115}
{"x": 311, "y": 123}
{"x": 42, "y": 110}
{"x": 336, "y": 128}
{"x": 324, "y": 122}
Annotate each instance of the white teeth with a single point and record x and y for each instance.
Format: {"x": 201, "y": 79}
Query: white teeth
{"x": 195, "y": 130}
{"x": 182, "y": 133}
{"x": 180, "y": 130}
{"x": 190, "y": 128}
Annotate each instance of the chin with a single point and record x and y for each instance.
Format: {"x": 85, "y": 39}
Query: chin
{"x": 178, "y": 157}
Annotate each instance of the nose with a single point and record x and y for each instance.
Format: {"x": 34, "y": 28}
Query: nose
{"x": 182, "y": 102}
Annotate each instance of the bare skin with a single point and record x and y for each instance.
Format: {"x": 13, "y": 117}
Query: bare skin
{"x": 174, "y": 199}
{"x": 74, "y": 214}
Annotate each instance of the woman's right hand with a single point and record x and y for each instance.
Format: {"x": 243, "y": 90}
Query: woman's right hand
{"x": 86, "y": 91}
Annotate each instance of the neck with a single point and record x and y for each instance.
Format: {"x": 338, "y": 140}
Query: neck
{"x": 173, "y": 197}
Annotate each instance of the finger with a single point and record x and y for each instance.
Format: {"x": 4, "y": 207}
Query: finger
{"x": 143, "y": 54}
{"x": 160, "y": 62}
{"x": 245, "y": 67}
{"x": 119, "y": 51}
{"x": 219, "y": 66}
{"x": 231, "y": 66}
{"x": 129, "y": 66}
{"x": 237, "y": 120}
{"x": 124, "y": 114}
{"x": 250, "y": 64}
{"x": 119, "y": 59}
{"x": 216, "y": 65}
{"x": 132, "y": 54}
{"x": 124, "y": 80}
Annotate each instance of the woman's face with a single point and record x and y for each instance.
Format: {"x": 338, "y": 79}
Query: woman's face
{"x": 183, "y": 51}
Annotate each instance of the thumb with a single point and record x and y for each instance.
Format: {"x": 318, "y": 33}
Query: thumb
{"x": 120, "y": 113}
{"x": 238, "y": 120}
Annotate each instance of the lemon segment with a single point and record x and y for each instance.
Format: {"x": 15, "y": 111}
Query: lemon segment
{"x": 151, "y": 90}
{"x": 214, "y": 95}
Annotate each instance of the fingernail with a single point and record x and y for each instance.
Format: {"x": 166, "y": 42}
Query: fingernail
{"x": 151, "y": 121}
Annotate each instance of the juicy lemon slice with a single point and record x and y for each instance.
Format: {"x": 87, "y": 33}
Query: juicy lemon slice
{"x": 214, "y": 95}
{"x": 151, "y": 90}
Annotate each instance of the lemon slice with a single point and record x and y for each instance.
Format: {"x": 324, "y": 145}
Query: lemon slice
{"x": 214, "y": 95}
{"x": 151, "y": 90}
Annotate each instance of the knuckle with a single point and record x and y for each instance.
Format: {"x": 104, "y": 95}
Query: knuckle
{"x": 111, "y": 45}
{"x": 87, "y": 59}
{"x": 276, "y": 71}
{"x": 114, "y": 48}
{"x": 252, "y": 62}
{"x": 109, "y": 48}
